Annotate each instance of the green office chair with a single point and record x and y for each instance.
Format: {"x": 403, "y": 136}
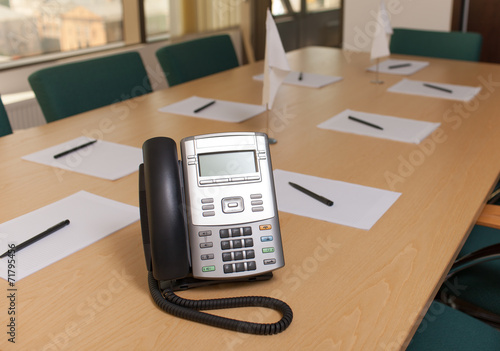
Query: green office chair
{"x": 473, "y": 284}
{"x": 450, "y": 45}
{"x": 466, "y": 312}
{"x": 5, "y": 127}
{"x": 444, "y": 328}
{"x": 72, "y": 88}
{"x": 197, "y": 58}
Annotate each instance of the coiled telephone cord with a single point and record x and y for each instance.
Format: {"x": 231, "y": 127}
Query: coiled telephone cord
{"x": 190, "y": 310}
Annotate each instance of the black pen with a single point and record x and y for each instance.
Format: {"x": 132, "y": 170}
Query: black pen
{"x": 300, "y": 76}
{"x": 64, "y": 153}
{"x": 365, "y": 122}
{"x": 38, "y": 237}
{"x": 400, "y": 65}
{"x": 438, "y": 88}
{"x": 313, "y": 195}
{"x": 204, "y": 106}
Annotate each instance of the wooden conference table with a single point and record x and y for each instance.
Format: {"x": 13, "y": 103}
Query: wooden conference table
{"x": 350, "y": 289}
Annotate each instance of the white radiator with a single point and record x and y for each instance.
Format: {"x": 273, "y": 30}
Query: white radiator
{"x": 24, "y": 114}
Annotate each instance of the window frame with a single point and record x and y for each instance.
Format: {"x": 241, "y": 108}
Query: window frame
{"x": 133, "y": 29}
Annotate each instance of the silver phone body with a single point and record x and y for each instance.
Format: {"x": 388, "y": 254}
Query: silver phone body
{"x": 231, "y": 211}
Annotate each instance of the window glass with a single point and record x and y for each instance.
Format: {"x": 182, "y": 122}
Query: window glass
{"x": 37, "y": 27}
{"x": 322, "y": 5}
{"x": 217, "y": 14}
{"x": 278, "y": 8}
{"x": 157, "y": 13}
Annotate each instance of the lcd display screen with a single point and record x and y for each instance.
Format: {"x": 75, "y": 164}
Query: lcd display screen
{"x": 227, "y": 163}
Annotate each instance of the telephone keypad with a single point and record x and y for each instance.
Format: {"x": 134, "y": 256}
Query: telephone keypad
{"x": 238, "y": 255}
{"x": 228, "y": 268}
{"x": 235, "y": 232}
{"x": 249, "y": 242}
{"x": 238, "y": 239}
{"x": 237, "y": 244}
{"x": 240, "y": 267}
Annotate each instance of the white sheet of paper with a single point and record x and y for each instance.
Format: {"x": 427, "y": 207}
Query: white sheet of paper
{"x": 459, "y": 92}
{"x": 103, "y": 159}
{"x": 394, "y": 128}
{"x": 224, "y": 111}
{"x": 385, "y": 66}
{"x": 91, "y": 218}
{"x": 354, "y": 205}
{"x": 310, "y": 80}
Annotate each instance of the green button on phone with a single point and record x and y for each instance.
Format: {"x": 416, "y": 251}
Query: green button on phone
{"x": 268, "y": 250}
{"x": 208, "y": 269}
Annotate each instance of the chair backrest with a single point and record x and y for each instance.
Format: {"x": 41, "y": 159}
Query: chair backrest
{"x": 444, "y": 328}
{"x": 76, "y": 87}
{"x": 197, "y": 58}
{"x": 451, "y": 45}
{"x": 5, "y": 127}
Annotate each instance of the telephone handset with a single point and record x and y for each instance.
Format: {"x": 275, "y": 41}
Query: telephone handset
{"x": 210, "y": 218}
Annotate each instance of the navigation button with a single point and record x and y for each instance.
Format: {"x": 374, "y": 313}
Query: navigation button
{"x": 232, "y": 204}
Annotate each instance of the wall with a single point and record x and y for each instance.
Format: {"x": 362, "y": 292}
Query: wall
{"x": 360, "y": 15}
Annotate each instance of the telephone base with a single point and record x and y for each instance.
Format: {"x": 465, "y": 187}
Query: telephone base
{"x": 190, "y": 283}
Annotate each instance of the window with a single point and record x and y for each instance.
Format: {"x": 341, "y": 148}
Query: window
{"x": 157, "y": 14}
{"x": 285, "y": 7}
{"x": 39, "y": 27}
{"x": 322, "y": 5}
{"x": 41, "y": 30}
